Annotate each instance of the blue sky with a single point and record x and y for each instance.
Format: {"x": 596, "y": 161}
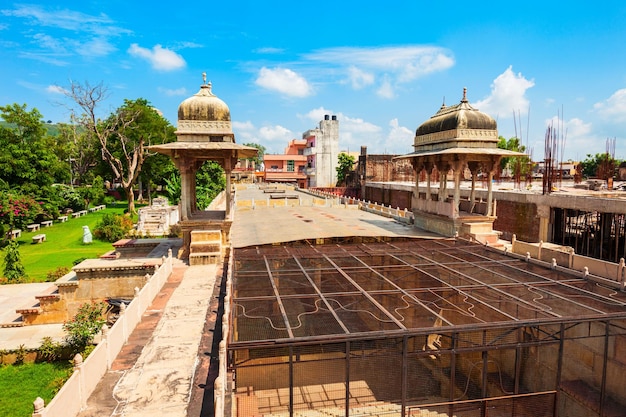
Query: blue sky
{"x": 382, "y": 68}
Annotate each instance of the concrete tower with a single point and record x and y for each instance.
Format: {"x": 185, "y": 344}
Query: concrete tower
{"x": 322, "y": 152}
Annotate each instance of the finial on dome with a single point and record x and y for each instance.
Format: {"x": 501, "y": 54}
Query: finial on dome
{"x": 204, "y": 78}
{"x": 464, "y": 100}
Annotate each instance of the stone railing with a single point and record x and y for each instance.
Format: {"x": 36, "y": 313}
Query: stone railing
{"x": 73, "y": 395}
{"x": 220, "y": 386}
{"x": 609, "y": 273}
{"x": 401, "y": 215}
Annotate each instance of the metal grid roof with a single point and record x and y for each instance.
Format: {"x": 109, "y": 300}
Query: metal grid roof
{"x": 302, "y": 293}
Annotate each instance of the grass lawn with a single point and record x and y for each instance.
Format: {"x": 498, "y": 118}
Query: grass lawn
{"x": 63, "y": 245}
{"x": 20, "y": 385}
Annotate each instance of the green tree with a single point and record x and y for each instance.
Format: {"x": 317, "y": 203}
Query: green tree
{"x": 173, "y": 188}
{"x": 258, "y": 159}
{"x": 13, "y": 268}
{"x": 79, "y": 150}
{"x": 210, "y": 181}
{"x": 517, "y": 165}
{"x": 345, "y": 165}
{"x": 600, "y": 165}
{"x": 27, "y": 162}
{"x": 123, "y": 136}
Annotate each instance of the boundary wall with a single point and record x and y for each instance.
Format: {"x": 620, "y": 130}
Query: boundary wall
{"x": 72, "y": 397}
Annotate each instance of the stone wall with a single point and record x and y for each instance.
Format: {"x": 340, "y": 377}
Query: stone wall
{"x": 517, "y": 218}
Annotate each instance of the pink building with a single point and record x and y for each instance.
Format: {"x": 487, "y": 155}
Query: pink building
{"x": 289, "y": 167}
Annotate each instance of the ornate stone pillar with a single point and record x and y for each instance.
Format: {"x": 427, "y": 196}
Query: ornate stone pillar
{"x": 443, "y": 167}
{"x": 473, "y": 167}
{"x": 186, "y": 171}
{"x": 227, "y": 170}
{"x": 458, "y": 169}
{"x": 429, "y": 172}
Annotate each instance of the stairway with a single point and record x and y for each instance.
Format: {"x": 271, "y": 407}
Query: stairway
{"x": 205, "y": 247}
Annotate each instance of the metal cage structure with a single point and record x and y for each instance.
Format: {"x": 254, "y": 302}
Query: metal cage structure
{"x": 409, "y": 327}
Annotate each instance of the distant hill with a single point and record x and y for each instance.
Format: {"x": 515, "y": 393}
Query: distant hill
{"x": 51, "y": 128}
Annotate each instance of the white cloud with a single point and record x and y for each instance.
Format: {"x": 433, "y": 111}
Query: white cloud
{"x": 315, "y": 115}
{"x": 247, "y": 125}
{"x": 410, "y": 62}
{"x": 161, "y": 59}
{"x": 173, "y": 92}
{"x": 399, "y": 137}
{"x": 394, "y": 64}
{"x": 576, "y": 134}
{"x": 274, "y": 138}
{"x": 614, "y": 107}
{"x": 275, "y": 133}
{"x": 285, "y": 81}
{"x": 508, "y": 95}
{"x": 269, "y": 50}
{"x": 95, "y": 47}
{"x": 359, "y": 78}
{"x": 55, "y": 89}
{"x": 386, "y": 90}
{"x": 48, "y": 42}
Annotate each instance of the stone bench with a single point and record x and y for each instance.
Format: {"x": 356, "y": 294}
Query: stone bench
{"x": 46, "y": 223}
{"x": 62, "y": 219}
{"x": 92, "y": 209}
{"x": 76, "y": 215}
{"x": 14, "y": 234}
{"x": 33, "y": 227}
{"x": 273, "y": 190}
{"x": 276, "y": 196}
{"x": 39, "y": 238}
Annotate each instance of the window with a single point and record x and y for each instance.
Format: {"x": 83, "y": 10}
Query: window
{"x": 290, "y": 166}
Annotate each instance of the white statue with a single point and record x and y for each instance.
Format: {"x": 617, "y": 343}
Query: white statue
{"x": 87, "y": 238}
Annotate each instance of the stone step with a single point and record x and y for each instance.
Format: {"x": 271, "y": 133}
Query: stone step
{"x": 16, "y": 320}
{"x": 205, "y": 247}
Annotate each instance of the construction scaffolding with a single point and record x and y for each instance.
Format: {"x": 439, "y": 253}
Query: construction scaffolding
{"x": 405, "y": 327}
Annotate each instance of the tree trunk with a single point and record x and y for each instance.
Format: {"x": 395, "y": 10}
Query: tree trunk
{"x": 140, "y": 186}
{"x": 130, "y": 197}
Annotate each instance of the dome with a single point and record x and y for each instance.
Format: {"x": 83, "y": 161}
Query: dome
{"x": 204, "y": 106}
{"x": 459, "y": 126}
{"x": 461, "y": 116}
{"x": 204, "y": 118}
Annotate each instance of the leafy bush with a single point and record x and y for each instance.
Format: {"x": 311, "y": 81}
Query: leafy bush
{"x": 13, "y": 269}
{"x": 87, "y": 322}
{"x": 113, "y": 227}
{"x": 70, "y": 197}
{"x": 50, "y": 350}
{"x": 55, "y": 274}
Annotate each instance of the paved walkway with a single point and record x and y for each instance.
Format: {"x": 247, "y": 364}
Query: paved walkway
{"x": 267, "y": 225}
{"x": 17, "y": 296}
{"x": 154, "y": 373}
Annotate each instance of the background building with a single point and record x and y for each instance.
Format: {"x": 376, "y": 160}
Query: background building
{"x": 322, "y": 150}
{"x": 289, "y": 167}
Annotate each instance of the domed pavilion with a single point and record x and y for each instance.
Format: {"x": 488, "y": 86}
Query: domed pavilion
{"x": 455, "y": 139}
{"x": 204, "y": 133}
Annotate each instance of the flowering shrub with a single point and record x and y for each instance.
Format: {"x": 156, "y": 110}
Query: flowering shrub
{"x": 84, "y": 325}
{"x": 113, "y": 227}
{"x": 17, "y": 211}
